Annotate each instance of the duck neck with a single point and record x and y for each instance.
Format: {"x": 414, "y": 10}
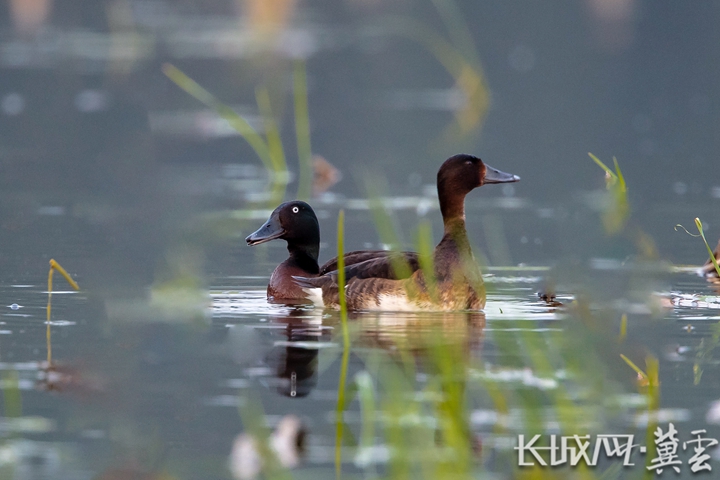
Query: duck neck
{"x": 304, "y": 256}
{"x": 452, "y": 207}
{"x": 452, "y": 200}
{"x": 456, "y": 233}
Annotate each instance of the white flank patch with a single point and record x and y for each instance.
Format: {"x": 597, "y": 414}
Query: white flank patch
{"x": 315, "y": 296}
{"x": 395, "y": 303}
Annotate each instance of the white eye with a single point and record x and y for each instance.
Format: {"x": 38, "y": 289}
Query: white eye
{"x": 296, "y": 209}
{"x": 468, "y": 162}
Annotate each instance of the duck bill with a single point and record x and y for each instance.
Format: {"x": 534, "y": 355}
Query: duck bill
{"x": 493, "y": 175}
{"x": 269, "y": 231}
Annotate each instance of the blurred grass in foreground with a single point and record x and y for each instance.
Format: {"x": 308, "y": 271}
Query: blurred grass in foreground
{"x": 426, "y": 425}
{"x": 269, "y": 148}
{"x": 460, "y": 58}
{"x": 618, "y": 212}
{"x": 339, "y": 424}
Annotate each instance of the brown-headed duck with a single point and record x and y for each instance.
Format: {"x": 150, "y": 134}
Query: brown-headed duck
{"x": 296, "y": 223}
{"x": 375, "y": 285}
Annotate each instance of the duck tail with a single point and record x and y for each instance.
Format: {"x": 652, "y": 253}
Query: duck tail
{"x": 308, "y": 282}
{"x": 322, "y": 290}
{"x": 313, "y": 288}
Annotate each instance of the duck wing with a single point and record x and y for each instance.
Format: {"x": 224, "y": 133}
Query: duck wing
{"x": 375, "y": 264}
{"x": 360, "y": 293}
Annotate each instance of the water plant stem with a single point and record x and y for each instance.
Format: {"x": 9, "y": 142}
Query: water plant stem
{"x": 302, "y": 131}
{"x": 54, "y": 266}
{"x": 346, "y": 344}
{"x": 425, "y": 251}
{"x": 652, "y": 365}
{"x": 623, "y": 327}
{"x": 699, "y": 226}
{"x": 12, "y": 397}
{"x": 617, "y": 213}
{"x": 236, "y": 121}
{"x": 269, "y": 149}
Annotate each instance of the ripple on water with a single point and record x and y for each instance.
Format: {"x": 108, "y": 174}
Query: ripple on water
{"x": 238, "y": 304}
{"x": 60, "y": 323}
{"x": 692, "y": 300}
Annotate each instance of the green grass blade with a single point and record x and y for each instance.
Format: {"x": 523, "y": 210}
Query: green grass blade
{"x": 341, "y": 277}
{"x": 603, "y": 166}
{"x": 236, "y": 121}
{"x": 457, "y": 27}
{"x": 619, "y": 175}
{"x": 699, "y": 226}
{"x": 467, "y": 73}
{"x": 12, "y": 397}
{"x": 425, "y": 251}
{"x": 634, "y": 367}
{"x": 653, "y": 393}
{"x": 346, "y": 345}
{"x": 272, "y": 132}
{"x": 384, "y": 225}
{"x": 617, "y": 213}
{"x": 623, "y": 327}
{"x": 302, "y": 131}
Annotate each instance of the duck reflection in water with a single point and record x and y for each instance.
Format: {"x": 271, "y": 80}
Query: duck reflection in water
{"x": 296, "y": 359}
{"x": 294, "y": 356}
{"x": 432, "y": 353}
{"x": 418, "y": 332}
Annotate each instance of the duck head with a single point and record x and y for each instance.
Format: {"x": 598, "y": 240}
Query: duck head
{"x": 459, "y": 175}
{"x": 294, "y": 222}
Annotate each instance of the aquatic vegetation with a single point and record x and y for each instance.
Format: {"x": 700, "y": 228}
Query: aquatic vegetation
{"x": 705, "y": 353}
{"x": 384, "y": 225}
{"x": 240, "y": 124}
{"x": 12, "y": 397}
{"x": 713, "y": 260}
{"x": 425, "y": 426}
{"x": 617, "y": 212}
{"x": 269, "y": 148}
{"x": 425, "y": 245}
{"x": 623, "y": 327}
{"x": 653, "y": 396}
{"x": 346, "y": 343}
{"x": 302, "y": 131}
{"x": 53, "y": 267}
{"x": 460, "y": 58}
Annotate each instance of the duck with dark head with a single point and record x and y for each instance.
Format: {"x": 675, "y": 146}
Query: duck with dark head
{"x": 296, "y": 223}
{"x": 458, "y": 285}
